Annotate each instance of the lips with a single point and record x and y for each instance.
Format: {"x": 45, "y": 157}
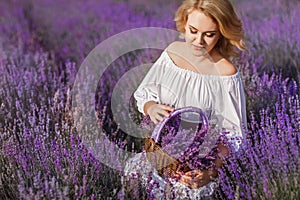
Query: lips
{"x": 198, "y": 47}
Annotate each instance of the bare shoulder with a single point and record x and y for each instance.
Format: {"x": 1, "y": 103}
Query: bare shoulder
{"x": 226, "y": 68}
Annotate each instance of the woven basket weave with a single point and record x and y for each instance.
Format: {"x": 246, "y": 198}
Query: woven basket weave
{"x": 165, "y": 164}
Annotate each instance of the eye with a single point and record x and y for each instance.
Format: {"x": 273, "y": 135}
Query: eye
{"x": 193, "y": 31}
{"x": 210, "y": 35}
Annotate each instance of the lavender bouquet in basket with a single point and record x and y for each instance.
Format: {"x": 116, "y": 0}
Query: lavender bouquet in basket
{"x": 182, "y": 143}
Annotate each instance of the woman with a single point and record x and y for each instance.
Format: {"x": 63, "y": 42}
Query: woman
{"x": 198, "y": 72}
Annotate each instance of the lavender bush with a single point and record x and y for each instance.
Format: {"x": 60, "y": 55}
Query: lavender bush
{"x": 272, "y": 36}
{"x": 42, "y": 155}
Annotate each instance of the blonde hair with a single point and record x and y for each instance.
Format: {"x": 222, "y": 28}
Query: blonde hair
{"x": 223, "y": 14}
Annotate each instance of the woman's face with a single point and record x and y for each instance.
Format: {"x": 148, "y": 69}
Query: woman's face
{"x": 201, "y": 33}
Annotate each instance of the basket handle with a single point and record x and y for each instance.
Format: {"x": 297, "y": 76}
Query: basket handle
{"x": 158, "y": 128}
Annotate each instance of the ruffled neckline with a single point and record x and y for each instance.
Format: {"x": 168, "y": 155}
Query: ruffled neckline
{"x": 182, "y": 70}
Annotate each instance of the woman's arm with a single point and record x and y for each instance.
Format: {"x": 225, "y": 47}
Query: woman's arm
{"x": 148, "y": 92}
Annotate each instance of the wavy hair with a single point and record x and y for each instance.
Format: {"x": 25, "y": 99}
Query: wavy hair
{"x": 224, "y": 15}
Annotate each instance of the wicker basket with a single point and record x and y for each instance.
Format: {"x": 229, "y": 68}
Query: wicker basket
{"x": 165, "y": 164}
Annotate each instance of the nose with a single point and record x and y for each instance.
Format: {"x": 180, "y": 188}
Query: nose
{"x": 200, "y": 39}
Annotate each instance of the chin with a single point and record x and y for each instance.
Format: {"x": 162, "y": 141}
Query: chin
{"x": 201, "y": 52}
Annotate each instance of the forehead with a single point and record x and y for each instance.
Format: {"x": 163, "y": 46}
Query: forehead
{"x": 201, "y": 22}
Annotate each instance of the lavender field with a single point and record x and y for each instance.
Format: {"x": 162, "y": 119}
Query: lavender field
{"x": 42, "y": 46}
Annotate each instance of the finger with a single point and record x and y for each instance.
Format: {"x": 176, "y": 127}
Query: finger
{"x": 159, "y": 117}
{"x": 177, "y": 175}
{"x": 194, "y": 173}
{"x": 153, "y": 119}
{"x": 164, "y": 113}
{"x": 194, "y": 177}
{"x": 188, "y": 181}
{"x": 195, "y": 183}
{"x": 199, "y": 176}
{"x": 168, "y": 108}
{"x": 192, "y": 182}
{"x": 189, "y": 173}
{"x": 184, "y": 181}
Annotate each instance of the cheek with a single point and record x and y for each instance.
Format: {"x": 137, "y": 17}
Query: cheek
{"x": 188, "y": 37}
{"x": 212, "y": 42}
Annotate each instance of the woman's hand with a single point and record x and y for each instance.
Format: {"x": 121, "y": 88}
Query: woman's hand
{"x": 196, "y": 178}
{"x": 157, "y": 112}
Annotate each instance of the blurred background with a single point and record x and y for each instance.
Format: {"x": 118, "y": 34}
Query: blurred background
{"x": 42, "y": 45}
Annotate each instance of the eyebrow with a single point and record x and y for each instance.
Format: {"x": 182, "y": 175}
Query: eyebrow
{"x": 214, "y": 31}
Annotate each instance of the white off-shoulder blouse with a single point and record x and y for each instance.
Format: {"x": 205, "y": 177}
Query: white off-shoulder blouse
{"x": 221, "y": 97}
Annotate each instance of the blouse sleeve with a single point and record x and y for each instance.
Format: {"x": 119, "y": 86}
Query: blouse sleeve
{"x": 149, "y": 89}
{"x": 231, "y": 113}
